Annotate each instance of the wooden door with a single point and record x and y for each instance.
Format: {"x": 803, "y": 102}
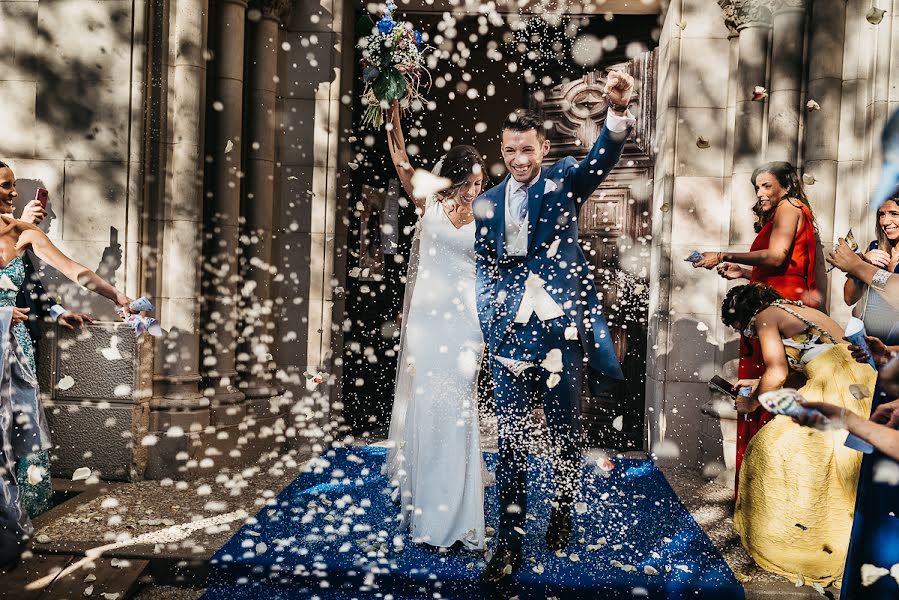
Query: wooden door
{"x": 615, "y": 229}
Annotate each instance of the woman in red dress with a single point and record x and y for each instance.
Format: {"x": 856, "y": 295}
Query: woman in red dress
{"x": 783, "y": 257}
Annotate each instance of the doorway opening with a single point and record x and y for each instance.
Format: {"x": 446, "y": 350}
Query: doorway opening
{"x": 486, "y": 70}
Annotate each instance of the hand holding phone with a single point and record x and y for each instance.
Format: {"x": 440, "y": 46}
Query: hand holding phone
{"x": 42, "y": 196}
{"x": 723, "y": 385}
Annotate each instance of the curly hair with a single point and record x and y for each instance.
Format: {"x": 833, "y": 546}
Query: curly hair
{"x": 458, "y": 165}
{"x": 788, "y": 178}
{"x": 743, "y": 302}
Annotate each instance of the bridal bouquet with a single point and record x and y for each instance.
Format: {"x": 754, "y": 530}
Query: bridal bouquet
{"x": 393, "y": 65}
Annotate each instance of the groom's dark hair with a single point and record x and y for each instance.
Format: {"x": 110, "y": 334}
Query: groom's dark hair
{"x": 523, "y": 120}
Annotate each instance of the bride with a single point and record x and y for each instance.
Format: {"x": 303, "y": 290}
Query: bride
{"x": 435, "y": 461}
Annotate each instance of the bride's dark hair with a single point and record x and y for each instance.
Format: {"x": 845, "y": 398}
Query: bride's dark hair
{"x": 460, "y": 163}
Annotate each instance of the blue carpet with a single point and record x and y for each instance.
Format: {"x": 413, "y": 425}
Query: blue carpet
{"x": 331, "y": 535}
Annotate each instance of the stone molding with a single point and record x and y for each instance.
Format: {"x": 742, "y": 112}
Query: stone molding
{"x": 782, "y": 6}
{"x": 278, "y": 10}
{"x": 739, "y": 14}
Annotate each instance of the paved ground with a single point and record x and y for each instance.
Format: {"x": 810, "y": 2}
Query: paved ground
{"x": 121, "y": 514}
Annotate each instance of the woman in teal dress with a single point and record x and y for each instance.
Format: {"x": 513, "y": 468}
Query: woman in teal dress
{"x": 35, "y": 497}
{"x": 32, "y": 470}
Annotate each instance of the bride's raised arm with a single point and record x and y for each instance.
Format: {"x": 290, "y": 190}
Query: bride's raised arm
{"x": 397, "y": 145}
{"x": 48, "y": 252}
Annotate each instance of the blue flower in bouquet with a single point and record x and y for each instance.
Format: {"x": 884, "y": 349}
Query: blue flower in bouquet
{"x": 391, "y": 6}
{"x": 369, "y": 74}
{"x": 385, "y": 25}
{"x": 417, "y": 38}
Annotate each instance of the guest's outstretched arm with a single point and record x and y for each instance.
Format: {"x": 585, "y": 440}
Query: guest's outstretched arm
{"x": 48, "y": 252}
{"x": 880, "y": 436}
{"x": 777, "y": 254}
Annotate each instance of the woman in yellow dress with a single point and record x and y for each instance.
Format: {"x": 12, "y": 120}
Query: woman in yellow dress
{"x": 797, "y": 485}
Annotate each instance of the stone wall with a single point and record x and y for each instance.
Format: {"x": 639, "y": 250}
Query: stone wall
{"x": 691, "y": 212}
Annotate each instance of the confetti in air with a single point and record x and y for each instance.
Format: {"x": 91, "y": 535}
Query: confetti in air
{"x": 425, "y": 183}
{"x": 875, "y": 15}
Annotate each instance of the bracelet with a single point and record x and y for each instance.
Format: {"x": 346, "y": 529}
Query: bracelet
{"x": 618, "y": 107}
{"x": 879, "y": 281}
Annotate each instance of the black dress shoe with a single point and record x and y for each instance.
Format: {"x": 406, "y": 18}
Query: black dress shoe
{"x": 504, "y": 563}
{"x": 558, "y": 532}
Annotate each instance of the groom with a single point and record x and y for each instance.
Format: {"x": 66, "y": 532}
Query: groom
{"x": 539, "y": 310}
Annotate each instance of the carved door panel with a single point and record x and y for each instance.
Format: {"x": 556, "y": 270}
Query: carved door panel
{"x": 615, "y": 230}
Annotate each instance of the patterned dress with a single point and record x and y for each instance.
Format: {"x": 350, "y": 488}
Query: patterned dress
{"x": 35, "y": 498}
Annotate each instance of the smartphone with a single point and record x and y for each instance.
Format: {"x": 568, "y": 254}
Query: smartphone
{"x": 723, "y": 385}
{"x": 113, "y": 236}
{"x": 42, "y": 195}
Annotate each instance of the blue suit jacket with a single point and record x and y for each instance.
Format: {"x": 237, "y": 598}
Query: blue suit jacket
{"x": 552, "y": 215}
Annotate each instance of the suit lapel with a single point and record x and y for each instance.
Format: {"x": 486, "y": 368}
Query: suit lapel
{"x": 500, "y": 204}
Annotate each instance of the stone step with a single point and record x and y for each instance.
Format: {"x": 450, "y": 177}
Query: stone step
{"x": 775, "y": 590}
{"x": 49, "y": 577}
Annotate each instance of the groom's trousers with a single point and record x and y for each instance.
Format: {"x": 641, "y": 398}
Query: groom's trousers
{"x": 515, "y": 398}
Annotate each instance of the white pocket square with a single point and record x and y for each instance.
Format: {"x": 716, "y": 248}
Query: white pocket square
{"x": 550, "y": 186}
{"x": 536, "y": 300}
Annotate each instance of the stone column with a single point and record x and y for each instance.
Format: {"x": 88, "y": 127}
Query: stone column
{"x": 256, "y": 363}
{"x": 822, "y": 130}
{"x": 176, "y": 396}
{"x": 752, "y": 20}
{"x": 785, "y": 92}
{"x": 221, "y": 275}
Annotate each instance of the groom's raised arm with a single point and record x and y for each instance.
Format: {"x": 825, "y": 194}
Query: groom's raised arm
{"x": 606, "y": 151}
{"x": 603, "y": 157}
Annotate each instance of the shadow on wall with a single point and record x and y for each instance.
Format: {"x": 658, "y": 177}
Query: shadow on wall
{"x": 691, "y": 432}
{"x": 78, "y": 55}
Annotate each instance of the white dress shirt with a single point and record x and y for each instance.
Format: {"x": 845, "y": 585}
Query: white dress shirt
{"x": 517, "y": 231}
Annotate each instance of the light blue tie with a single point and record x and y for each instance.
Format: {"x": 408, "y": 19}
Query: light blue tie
{"x": 521, "y": 211}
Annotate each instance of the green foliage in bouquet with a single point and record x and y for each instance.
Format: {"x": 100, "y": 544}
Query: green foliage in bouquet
{"x": 392, "y": 62}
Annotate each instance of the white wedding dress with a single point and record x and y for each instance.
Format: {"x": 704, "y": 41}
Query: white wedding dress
{"x": 435, "y": 460}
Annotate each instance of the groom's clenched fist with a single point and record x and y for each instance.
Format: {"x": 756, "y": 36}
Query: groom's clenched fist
{"x": 619, "y": 87}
